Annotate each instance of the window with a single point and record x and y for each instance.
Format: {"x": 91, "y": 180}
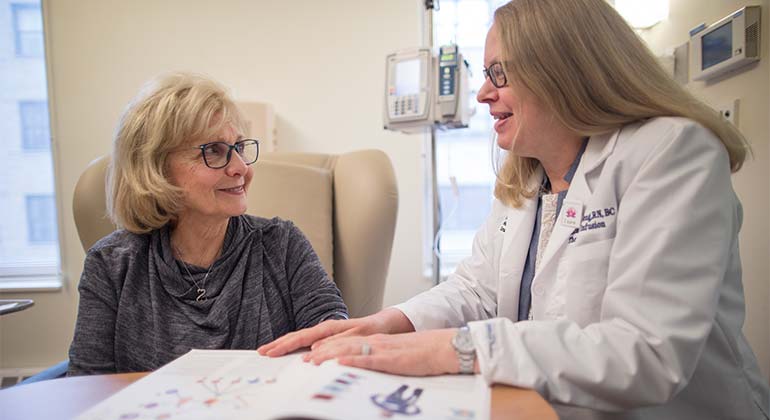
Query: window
{"x": 41, "y": 219}
{"x": 643, "y": 14}
{"x": 29, "y": 247}
{"x": 27, "y": 29}
{"x": 35, "y": 132}
{"x": 463, "y": 156}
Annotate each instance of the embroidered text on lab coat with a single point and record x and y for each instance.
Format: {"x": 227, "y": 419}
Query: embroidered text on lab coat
{"x": 593, "y": 219}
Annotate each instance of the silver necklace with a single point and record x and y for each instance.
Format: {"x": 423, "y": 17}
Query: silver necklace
{"x": 201, "y": 289}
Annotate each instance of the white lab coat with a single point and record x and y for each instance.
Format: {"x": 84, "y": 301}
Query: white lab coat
{"x": 636, "y": 316}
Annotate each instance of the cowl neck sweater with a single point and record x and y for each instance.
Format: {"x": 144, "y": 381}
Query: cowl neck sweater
{"x": 138, "y": 307}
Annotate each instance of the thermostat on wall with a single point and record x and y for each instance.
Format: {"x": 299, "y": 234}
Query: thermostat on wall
{"x": 728, "y": 44}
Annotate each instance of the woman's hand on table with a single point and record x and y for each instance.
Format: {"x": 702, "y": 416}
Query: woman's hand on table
{"x": 424, "y": 353}
{"x": 387, "y": 321}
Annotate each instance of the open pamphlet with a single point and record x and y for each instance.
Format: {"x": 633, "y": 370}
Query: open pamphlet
{"x": 241, "y": 384}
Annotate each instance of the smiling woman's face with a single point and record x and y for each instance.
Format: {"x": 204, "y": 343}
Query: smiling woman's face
{"x": 521, "y": 122}
{"x": 211, "y": 195}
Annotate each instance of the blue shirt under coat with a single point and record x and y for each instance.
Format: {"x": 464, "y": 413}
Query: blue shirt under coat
{"x": 525, "y": 292}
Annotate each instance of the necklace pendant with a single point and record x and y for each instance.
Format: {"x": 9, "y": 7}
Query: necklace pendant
{"x": 201, "y": 295}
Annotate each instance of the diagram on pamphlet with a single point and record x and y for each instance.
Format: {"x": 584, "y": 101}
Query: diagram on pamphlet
{"x": 461, "y": 414}
{"x": 393, "y": 401}
{"x": 341, "y": 384}
{"x": 241, "y": 384}
{"x": 219, "y": 393}
{"x": 398, "y": 402}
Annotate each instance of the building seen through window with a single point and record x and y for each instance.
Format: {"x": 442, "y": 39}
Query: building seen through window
{"x": 35, "y": 131}
{"x": 28, "y": 29}
{"x": 29, "y": 248}
{"x": 41, "y": 219}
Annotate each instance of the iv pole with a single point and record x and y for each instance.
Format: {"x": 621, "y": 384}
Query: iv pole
{"x": 436, "y": 205}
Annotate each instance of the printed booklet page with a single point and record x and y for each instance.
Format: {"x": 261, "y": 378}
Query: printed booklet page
{"x": 238, "y": 384}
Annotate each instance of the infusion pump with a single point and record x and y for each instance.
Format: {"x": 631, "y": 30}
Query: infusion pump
{"x": 422, "y": 90}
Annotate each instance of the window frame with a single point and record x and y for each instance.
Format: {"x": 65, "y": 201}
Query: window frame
{"x": 18, "y": 277}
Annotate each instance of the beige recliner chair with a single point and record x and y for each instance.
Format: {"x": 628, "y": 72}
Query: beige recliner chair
{"x": 345, "y": 204}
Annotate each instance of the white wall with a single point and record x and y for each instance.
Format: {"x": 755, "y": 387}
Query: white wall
{"x": 752, "y": 87}
{"x": 320, "y": 63}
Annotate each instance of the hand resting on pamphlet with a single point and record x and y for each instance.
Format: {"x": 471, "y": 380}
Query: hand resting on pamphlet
{"x": 388, "y": 337}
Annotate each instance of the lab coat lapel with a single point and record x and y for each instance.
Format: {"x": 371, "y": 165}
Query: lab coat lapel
{"x": 518, "y": 232}
{"x": 598, "y": 149}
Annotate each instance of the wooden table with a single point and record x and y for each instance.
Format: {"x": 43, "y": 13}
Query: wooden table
{"x": 66, "y": 398}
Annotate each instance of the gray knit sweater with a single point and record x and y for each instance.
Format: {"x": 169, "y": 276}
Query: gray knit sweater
{"x": 138, "y": 309}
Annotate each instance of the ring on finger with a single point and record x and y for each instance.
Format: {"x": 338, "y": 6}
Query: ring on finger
{"x": 366, "y": 349}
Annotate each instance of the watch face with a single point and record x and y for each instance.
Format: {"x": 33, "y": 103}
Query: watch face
{"x": 463, "y": 341}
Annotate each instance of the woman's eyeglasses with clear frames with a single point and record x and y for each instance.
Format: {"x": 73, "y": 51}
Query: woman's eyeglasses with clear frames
{"x": 217, "y": 154}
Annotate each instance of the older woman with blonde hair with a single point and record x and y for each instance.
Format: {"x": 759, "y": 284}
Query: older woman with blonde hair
{"x": 189, "y": 269}
{"x": 607, "y": 276}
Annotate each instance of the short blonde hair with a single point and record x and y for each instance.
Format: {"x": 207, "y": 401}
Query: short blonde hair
{"x": 170, "y": 111}
{"x": 585, "y": 64}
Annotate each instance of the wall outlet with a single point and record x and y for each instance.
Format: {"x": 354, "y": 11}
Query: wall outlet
{"x": 729, "y": 111}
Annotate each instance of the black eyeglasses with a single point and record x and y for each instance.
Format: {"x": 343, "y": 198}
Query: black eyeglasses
{"x": 217, "y": 154}
{"x": 496, "y": 75}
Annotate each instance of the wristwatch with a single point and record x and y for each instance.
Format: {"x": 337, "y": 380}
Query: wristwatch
{"x": 466, "y": 351}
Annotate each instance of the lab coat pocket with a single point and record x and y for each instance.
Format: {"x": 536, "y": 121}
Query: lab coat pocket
{"x": 585, "y": 275}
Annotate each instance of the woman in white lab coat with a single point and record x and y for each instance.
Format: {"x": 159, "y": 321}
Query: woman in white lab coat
{"x": 607, "y": 276}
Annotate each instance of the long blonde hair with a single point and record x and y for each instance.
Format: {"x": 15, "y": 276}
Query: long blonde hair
{"x": 584, "y": 63}
{"x": 170, "y": 111}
